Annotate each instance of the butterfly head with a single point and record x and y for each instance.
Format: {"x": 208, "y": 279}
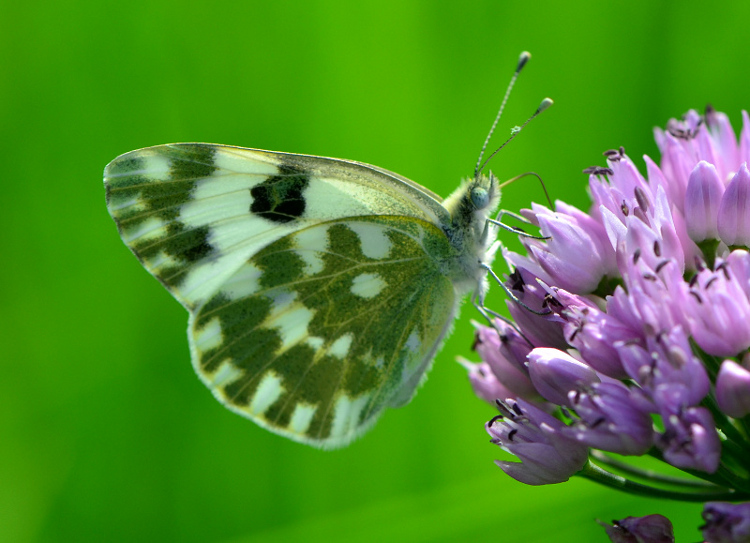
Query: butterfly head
{"x": 473, "y": 202}
{"x": 470, "y": 205}
{"x": 483, "y": 193}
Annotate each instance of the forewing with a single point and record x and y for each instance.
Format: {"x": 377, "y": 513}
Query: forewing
{"x": 317, "y": 333}
{"x": 193, "y": 213}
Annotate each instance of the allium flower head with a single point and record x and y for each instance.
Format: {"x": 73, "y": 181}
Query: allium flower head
{"x": 632, "y": 321}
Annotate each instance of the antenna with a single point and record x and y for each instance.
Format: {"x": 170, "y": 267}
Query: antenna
{"x": 522, "y": 60}
{"x": 547, "y": 102}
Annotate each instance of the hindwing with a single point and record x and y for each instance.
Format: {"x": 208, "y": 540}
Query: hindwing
{"x": 317, "y": 333}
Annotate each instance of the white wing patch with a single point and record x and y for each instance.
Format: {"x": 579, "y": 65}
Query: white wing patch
{"x": 269, "y": 390}
{"x": 346, "y": 414}
{"x": 340, "y": 347}
{"x": 302, "y": 417}
{"x": 161, "y": 260}
{"x": 413, "y": 343}
{"x": 375, "y": 242}
{"x": 209, "y": 337}
{"x": 368, "y": 285}
{"x": 214, "y": 202}
{"x": 333, "y": 199}
{"x": 152, "y": 228}
{"x": 311, "y": 243}
{"x": 204, "y": 279}
{"x": 315, "y": 342}
{"x": 246, "y": 161}
{"x": 244, "y": 282}
{"x": 226, "y": 374}
{"x": 156, "y": 167}
{"x": 291, "y": 320}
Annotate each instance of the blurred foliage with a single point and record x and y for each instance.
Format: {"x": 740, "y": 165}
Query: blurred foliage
{"x": 107, "y": 435}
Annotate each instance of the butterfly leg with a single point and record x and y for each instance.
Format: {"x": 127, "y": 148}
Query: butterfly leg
{"x": 478, "y": 302}
{"x": 514, "y": 229}
{"x": 510, "y": 292}
{"x": 491, "y": 316}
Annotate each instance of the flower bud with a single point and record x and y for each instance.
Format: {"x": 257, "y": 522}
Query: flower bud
{"x": 555, "y": 374}
{"x": 547, "y": 456}
{"x": 734, "y": 217}
{"x": 648, "y": 529}
{"x": 702, "y": 200}
{"x": 733, "y": 389}
{"x": 726, "y": 522}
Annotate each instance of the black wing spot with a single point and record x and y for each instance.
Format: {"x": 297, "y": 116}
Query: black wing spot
{"x": 280, "y": 198}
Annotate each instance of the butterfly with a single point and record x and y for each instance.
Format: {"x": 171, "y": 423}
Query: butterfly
{"x": 319, "y": 290}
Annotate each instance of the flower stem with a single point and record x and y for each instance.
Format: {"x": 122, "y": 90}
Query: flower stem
{"x": 596, "y": 473}
{"x": 626, "y": 468}
{"x": 743, "y": 425}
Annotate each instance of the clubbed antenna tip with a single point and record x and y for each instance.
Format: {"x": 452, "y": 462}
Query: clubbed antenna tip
{"x": 522, "y": 60}
{"x": 544, "y": 105}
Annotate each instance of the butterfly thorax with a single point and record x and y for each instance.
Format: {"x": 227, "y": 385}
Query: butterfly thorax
{"x": 470, "y": 205}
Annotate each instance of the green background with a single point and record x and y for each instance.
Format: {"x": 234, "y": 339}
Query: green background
{"x": 106, "y": 434}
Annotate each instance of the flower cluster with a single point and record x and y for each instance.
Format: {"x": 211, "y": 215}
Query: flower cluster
{"x": 630, "y": 329}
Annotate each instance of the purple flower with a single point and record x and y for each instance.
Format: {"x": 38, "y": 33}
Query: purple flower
{"x": 594, "y": 333}
{"x": 733, "y": 389}
{"x": 726, "y": 522}
{"x": 690, "y": 440}
{"x": 540, "y": 330}
{"x": 648, "y": 529}
{"x": 576, "y": 257}
{"x": 734, "y": 210}
{"x": 718, "y": 307}
{"x": 702, "y": 199}
{"x": 726, "y": 154}
{"x": 546, "y": 455}
{"x": 503, "y": 373}
{"x": 667, "y": 369}
{"x": 612, "y": 418}
{"x": 485, "y": 384}
{"x": 555, "y": 374}
{"x": 505, "y": 353}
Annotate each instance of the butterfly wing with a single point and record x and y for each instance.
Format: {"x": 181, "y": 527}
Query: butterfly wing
{"x": 322, "y": 329}
{"x": 193, "y": 213}
{"x": 305, "y": 313}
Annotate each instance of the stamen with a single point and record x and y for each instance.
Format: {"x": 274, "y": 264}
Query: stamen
{"x": 494, "y": 419}
{"x": 598, "y": 170}
{"x": 641, "y": 198}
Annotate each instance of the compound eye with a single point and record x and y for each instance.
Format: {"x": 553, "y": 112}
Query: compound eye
{"x": 480, "y": 197}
